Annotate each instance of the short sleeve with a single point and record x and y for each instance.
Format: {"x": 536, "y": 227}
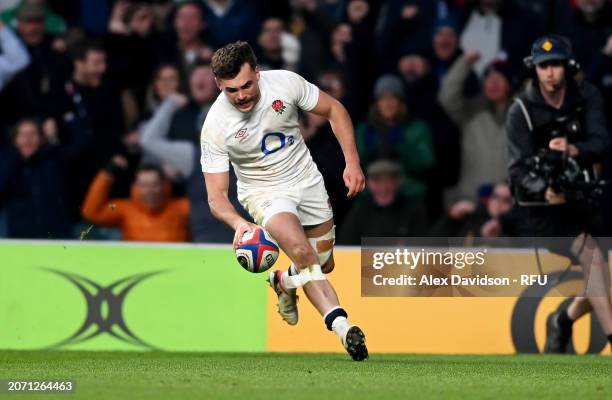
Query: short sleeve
{"x": 214, "y": 156}
{"x": 306, "y": 95}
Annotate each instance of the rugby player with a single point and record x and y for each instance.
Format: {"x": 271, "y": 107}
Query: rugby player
{"x": 254, "y": 125}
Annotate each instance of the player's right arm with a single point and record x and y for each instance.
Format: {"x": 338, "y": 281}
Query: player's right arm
{"x": 215, "y": 166}
{"x": 217, "y": 186}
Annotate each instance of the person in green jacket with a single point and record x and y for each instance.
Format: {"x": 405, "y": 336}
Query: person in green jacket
{"x": 383, "y": 211}
{"x": 390, "y": 132}
{"x": 34, "y": 9}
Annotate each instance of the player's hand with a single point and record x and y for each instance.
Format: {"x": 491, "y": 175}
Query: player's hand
{"x": 353, "y": 179}
{"x": 241, "y": 229}
{"x": 553, "y": 197}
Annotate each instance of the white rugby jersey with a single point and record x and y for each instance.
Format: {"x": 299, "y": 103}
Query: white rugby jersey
{"x": 265, "y": 146}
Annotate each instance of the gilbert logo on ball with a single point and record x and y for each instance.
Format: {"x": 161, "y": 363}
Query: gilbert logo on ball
{"x": 257, "y": 251}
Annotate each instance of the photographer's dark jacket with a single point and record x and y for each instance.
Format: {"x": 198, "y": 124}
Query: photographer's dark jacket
{"x": 592, "y": 142}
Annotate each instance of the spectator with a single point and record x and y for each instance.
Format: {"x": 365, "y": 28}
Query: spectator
{"x": 406, "y": 26}
{"x": 422, "y": 75}
{"x": 482, "y": 123}
{"x": 149, "y": 215}
{"x": 94, "y": 95}
{"x": 314, "y": 27}
{"x": 189, "y": 44}
{"x": 166, "y": 81}
{"x": 487, "y": 219}
{"x": 383, "y": 211}
{"x": 53, "y": 23}
{"x": 590, "y": 22}
{"x": 231, "y": 20}
{"x": 134, "y": 46}
{"x": 184, "y": 119}
{"x": 352, "y": 54}
{"x": 172, "y": 137}
{"x": 31, "y": 181}
{"x": 391, "y": 132}
{"x": 278, "y": 49}
{"x": 499, "y": 29}
{"x": 36, "y": 89}
{"x": 14, "y": 56}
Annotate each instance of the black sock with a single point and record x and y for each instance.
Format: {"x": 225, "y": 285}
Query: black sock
{"x": 332, "y": 315}
{"x": 610, "y": 339}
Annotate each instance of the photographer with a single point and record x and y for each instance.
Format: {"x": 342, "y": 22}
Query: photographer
{"x": 556, "y": 133}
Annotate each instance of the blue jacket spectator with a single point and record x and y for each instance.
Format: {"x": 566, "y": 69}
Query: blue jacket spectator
{"x": 32, "y": 184}
{"x": 231, "y": 20}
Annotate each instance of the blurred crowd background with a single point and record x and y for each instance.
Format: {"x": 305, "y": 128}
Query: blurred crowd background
{"x": 101, "y": 105}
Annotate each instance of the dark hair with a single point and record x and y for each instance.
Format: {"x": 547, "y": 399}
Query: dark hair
{"x": 147, "y": 166}
{"x": 31, "y": 120}
{"x": 228, "y": 60}
{"x": 198, "y": 63}
{"x": 160, "y": 67}
{"x": 80, "y": 49}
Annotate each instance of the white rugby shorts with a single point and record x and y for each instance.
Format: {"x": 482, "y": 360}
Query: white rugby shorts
{"x": 308, "y": 200}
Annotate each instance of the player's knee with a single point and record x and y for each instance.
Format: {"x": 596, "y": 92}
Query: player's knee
{"x": 304, "y": 255}
{"x": 328, "y": 266}
{"x": 324, "y": 246}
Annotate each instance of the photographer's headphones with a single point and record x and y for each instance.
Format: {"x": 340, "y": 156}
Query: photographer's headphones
{"x": 552, "y": 47}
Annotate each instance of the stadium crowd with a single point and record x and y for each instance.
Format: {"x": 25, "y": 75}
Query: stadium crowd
{"x": 101, "y": 105}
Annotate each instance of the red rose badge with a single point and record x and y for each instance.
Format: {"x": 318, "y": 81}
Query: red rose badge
{"x": 278, "y": 106}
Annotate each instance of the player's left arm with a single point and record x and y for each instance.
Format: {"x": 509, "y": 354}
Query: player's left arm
{"x": 341, "y": 125}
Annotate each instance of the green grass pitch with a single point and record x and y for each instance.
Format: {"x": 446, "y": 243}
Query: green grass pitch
{"x": 125, "y": 375}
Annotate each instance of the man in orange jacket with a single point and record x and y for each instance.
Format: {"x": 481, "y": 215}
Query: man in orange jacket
{"x": 150, "y": 214}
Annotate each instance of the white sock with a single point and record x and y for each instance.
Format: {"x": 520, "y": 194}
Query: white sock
{"x": 340, "y": 326}
{"x": 293, "y": 270}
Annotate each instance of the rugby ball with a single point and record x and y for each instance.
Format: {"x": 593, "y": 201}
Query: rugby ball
{"x": 257, "y": 251}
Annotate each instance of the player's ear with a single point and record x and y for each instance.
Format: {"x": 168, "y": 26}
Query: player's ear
{"x": 218, "y": 84}
{"x": 257, "y": 72}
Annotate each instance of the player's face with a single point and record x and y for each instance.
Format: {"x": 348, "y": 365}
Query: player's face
{"x": 551, "y": 75}
{"x": 150, "y": 188}
{"x": 28, "y": 139}
{"x": 242, "y": 90}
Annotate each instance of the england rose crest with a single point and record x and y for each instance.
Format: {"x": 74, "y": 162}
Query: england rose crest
{"x": 278, "y": 106}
